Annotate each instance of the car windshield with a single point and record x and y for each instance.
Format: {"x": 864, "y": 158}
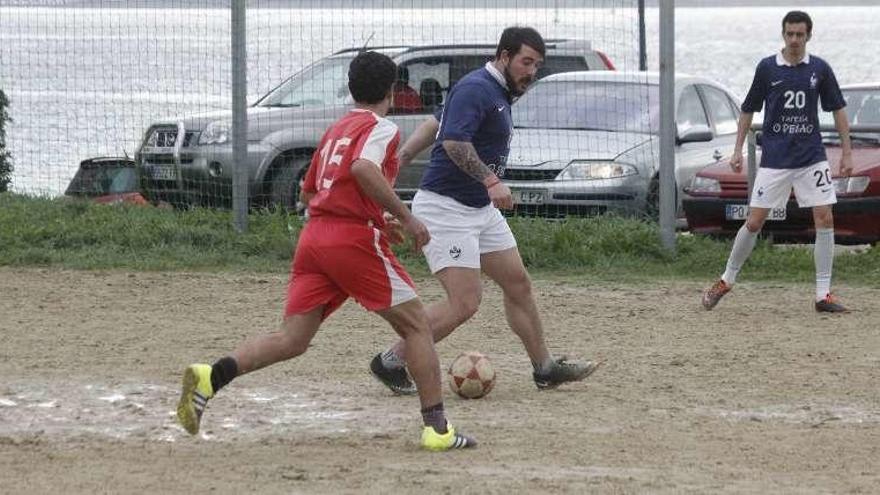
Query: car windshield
{"x": 98, "y": 181}
{"x": 862, "y": 107}
{"x": 590, "y": 105}
{"x": 323, "y": 83}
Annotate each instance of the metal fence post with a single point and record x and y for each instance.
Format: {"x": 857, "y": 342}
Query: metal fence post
{"x": 667, "y": 124}
{"x": 643, "y": 49}
{"x": 240, "y": 174}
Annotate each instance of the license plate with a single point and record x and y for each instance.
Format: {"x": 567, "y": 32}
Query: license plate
{"x": 528, "y": 197}
{"x": 163, "y": 173}
{"x": 740, "y": 212}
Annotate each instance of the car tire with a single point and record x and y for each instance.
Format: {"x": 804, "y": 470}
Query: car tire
{"x": 652, "y": 200}
{"x": 287, "y": 183}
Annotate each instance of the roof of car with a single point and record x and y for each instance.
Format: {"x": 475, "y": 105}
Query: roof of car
{"x": 553, "y": 43}
{"x": 616, "y": 76}
{"x": 636, "y": 77}
{"x": 864, "y": 85}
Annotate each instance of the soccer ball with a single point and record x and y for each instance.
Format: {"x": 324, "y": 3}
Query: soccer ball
{"x": 471, "y": 375}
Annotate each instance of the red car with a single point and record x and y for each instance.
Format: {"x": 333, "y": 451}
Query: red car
{"x": 107, "y": 180}
{"x": 716, "y": 200}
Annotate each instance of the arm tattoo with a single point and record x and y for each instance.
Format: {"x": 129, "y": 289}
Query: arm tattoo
{"x": 465, "y": 156}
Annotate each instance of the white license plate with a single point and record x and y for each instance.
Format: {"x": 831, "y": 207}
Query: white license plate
{"x": 528, "y": 196}
{"x": 163, "y": 173}
{"x": 740, "y": 212}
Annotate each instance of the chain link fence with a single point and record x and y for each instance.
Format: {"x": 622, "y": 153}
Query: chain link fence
{"x": 150, "y": 84}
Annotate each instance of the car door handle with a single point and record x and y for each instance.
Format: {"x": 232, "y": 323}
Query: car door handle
{"x": 717, "y": 155}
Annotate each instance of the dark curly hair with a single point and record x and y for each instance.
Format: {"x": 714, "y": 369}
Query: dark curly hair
{"x": 370, "y": 77}
{"x": 514, "y": 37}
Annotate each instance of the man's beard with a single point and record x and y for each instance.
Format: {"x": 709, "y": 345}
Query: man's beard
{"x": 512, "y": 86}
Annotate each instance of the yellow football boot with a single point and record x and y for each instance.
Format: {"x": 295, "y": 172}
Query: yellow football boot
{"x": 431, "y": 440}
{"x": 194, "y": 397}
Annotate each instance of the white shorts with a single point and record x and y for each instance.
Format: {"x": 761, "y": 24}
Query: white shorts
{"x": 812, "y": 186}
{"x": 460, "y": 233}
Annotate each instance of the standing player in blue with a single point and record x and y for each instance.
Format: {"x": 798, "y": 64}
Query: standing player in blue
{"x": 458, "y": 202}
{"x": 791, "y": 84}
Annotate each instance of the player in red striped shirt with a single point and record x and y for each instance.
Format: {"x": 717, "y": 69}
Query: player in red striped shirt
{"x": 343, "y": 251}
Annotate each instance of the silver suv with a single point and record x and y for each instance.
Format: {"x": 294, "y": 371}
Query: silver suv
{"x": 189, "y": 161}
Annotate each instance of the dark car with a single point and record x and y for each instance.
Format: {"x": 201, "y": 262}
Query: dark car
{"x": 107, "y": 180}
{"x": 716, "y": 201}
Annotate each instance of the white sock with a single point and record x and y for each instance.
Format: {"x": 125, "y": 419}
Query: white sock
{"x": 742, "y": 248}
{"x": 823, "y": 256}
{"x": 391, "y": 360}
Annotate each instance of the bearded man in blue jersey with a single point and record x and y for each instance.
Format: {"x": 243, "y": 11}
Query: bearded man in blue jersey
{"x": 790, "y": 84}
{"x": 459, "y": 200}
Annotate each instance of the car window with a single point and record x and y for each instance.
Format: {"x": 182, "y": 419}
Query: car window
{"x": 690, "y": 110}
{"x": 721, "y": 109}
{"x": 430, "y": 79}
{"x": 862, "y": 107}
{"x": 553, "y": 64}
{"x": 433, "y": 77}
{"x": 868, "y": 110}
{"x": 324, "y": 83}
{"x": 589, "y": 105}
{"x": 122, "y": 180}
{"x": 593, "y": 62}
{"x": 462, "y": 64}
{"x": 101, "y": 180}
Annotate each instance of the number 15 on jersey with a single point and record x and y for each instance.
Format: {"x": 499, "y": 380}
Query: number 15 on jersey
{"x": 330, "y": 162}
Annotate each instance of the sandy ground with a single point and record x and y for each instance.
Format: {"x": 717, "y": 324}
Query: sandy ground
{"x": 761, "y": 395}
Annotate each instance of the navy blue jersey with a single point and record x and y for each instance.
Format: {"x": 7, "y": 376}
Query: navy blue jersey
{"x": 791, "y": 137}
{"x": 477, "y": 110}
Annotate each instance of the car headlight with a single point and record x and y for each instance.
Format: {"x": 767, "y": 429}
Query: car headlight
{"x": 851, "y": 185}
{"x": 704, "y": 185}
{"x": 215, "y": 133}
{"x": 596, "y": 170}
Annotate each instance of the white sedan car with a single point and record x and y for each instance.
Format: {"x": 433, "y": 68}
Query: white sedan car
{"x": 588, "y": 142}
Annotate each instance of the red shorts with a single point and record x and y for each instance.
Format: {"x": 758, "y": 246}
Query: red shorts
{"x": 335, "y": 259}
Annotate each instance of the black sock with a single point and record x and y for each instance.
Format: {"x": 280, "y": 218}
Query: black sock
{"x": 222, "y": 372}
{"x": 435, "y": 417}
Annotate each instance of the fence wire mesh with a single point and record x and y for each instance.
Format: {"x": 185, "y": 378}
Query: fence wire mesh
{"x": 149, "y": 84}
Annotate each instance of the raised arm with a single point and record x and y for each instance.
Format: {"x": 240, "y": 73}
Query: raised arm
{"x": 419, "y": 140}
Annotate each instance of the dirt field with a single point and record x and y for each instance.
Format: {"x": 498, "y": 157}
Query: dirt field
{"x": 761, "y": 395}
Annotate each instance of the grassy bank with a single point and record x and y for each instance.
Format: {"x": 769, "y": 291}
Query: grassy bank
{"x": 76, "y": 234}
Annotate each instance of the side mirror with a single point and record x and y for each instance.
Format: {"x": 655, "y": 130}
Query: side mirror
{"x": 696, "y": 134}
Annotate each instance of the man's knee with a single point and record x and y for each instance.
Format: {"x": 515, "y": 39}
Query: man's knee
{"x": 294, "y": 337}
{"x": 415, "y": 325}
{"x": 518, "y": 286}
{"x": 823, "y": 218}
{"x": 754, "y": 224}
{"x": 409, "y": 320}
{"x": 466, "y": 307}
{"x": 293, "y": 345}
